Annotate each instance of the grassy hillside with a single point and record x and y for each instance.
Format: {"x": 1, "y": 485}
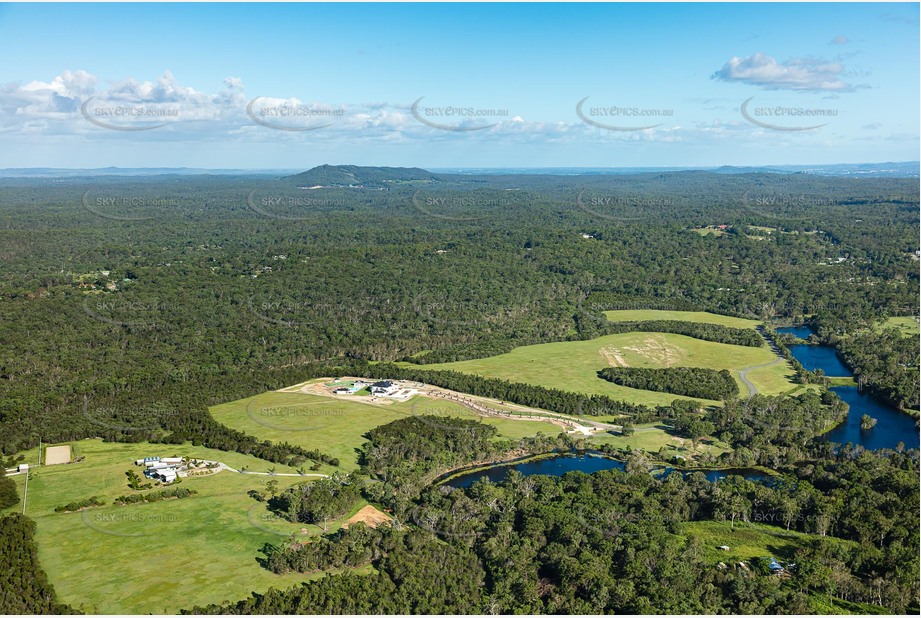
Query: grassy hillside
{"x": 632, "y": 315}
{"x": 572, "y": 365}
{"x": 337, "y": 426}
{"x": 906, "y": 325}
{"x": 201, "y": 549}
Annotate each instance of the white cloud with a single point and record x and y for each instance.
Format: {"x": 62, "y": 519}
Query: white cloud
{"x": 840, "y": 40}
{"x": 806, "y": 74}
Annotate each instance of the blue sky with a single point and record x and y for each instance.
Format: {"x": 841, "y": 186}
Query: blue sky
{"x": 495, "y": 85}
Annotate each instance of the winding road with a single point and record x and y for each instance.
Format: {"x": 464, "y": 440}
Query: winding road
{"x": 743, "y": 374}
{"x": 223, "y": 466}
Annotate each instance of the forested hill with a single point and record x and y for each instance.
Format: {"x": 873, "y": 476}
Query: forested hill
{"x": 354, "y": 175}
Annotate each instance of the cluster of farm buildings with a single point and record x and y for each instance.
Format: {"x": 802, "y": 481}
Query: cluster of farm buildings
{"x": 383, "y": 388}
{"x": 165, "y": 470}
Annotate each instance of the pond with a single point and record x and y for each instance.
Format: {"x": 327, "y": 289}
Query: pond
{"x": 814, "y": 357}
{"x": 715, "y": 475}
{"x": 551, "y": 466}
{"x": 802, "y": 332}
{"x": 583, "y": 462}
{"x": 822, "y": 357}
{"x": 892, "y": 427}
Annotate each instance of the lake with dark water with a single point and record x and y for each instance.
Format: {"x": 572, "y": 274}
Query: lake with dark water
{"x": 583, "y": 462}
{"x": 802, "y": 332}
{"x": 893, "y": 425}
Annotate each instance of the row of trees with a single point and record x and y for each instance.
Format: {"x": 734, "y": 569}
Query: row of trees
{"x": 24, "y": 587}
{"x": 8, "y": 494}
{"x": 689, "y": 381}
{"x": 698, "y": 330}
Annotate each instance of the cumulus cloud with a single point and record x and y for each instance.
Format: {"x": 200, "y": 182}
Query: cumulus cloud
{"x": 806, "y": 74}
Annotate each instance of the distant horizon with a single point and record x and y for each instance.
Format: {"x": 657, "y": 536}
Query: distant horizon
{"x": 469, "y": 167}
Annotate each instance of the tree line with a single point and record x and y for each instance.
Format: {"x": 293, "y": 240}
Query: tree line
{"x": 688, "y": 381}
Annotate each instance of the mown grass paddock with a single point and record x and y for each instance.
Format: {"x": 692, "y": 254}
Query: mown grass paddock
{"x": 337, "y": 426}
{"x": 641, "y": 315}
{"x": 908, "y": 326}
{"x": 120, "y": 559}
{"x": 572, "y": 365}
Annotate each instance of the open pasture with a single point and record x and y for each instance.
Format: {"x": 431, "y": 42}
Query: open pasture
{"x": 572, "y": 365}
{"x": 337, "y": 426}
{"x": 120, "y": 559}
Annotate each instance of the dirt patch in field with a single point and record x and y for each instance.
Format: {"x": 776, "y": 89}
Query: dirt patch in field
{"x": 612, "y": 356}
{"x": 57, "y": 455}
{"x": 370, "y": 516}
{"x": 657, "y": 350}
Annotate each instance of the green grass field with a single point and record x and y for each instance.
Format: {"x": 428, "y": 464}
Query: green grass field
{"x": 652, "y": 436}
{"x": 908, "y": 326}
{"x": 159, "y": 557}
{"x": 746, "y": 541}
{"x": 572, "y": 365}
{"x": 631, "y": 315}
{"x": 773, "y": 380}
{"x": 337, "y": 426}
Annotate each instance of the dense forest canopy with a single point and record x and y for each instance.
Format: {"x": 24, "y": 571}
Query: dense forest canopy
{"x": 129, "y": 305}
{"x": 113, "y": 287}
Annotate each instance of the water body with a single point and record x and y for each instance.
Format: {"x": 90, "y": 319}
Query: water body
{"x": 802, "y": 332}
{"x": 551, "y": 466}
{"x": 814, "y": 357}
{"x": 715, "y": 475}
{"x": 822, "y": 357}
{"x": 584, "y": 462}
{"x": 892, "y": 427}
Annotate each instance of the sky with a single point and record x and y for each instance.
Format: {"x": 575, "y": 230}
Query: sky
{"x": 272, "y": 86}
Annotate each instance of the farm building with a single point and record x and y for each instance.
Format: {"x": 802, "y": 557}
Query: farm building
{"x": 774, "y": 566}
{"x": 164, "y": 469}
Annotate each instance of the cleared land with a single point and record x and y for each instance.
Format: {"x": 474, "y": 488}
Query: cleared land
{"x": 746, "y": 540}
{"x": 337, "y": 426}
{"x": 907, "y": 325}
{"x": 202, "y": 549}
{"x": 631, "y": 315}
{"x": 369, "y": 515}
{"x": 572, "y": 365}
{"x": 57, "y": 455}
{"x": 651, "y": 437}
